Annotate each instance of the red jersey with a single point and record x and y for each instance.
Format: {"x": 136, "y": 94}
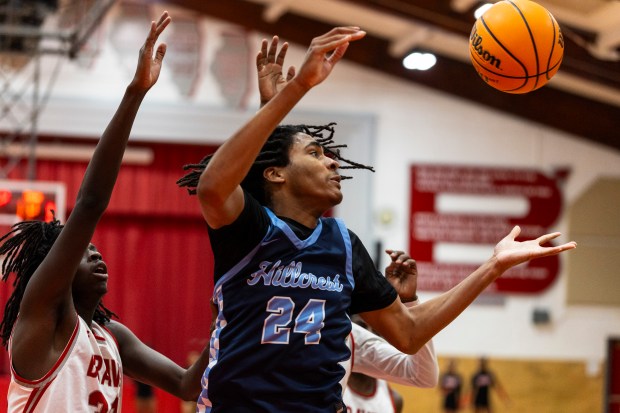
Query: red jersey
{"x": 88, "y": 375}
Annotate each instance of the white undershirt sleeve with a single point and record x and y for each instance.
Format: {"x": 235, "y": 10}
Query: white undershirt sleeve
{"x": 377, "y": 358}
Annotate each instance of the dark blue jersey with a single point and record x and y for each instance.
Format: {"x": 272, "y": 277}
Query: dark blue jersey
{"x": 232, "y": 243}
{"x": 280, "y": 333}
{"x": 291, "y": 377}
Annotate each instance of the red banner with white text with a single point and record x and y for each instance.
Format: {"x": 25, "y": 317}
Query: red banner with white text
{"x": 453, "y": 206}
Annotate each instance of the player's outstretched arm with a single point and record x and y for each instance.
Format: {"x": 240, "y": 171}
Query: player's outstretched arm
{"x": 409, "y": 328}
{"x": 377, "y": 358}
{"x": 218, "y": 190}
{"x": 147, "y": 365}
{"x": 47, "y": 313}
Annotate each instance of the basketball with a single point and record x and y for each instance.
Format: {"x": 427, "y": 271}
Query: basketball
{"x": 516, "y": 46}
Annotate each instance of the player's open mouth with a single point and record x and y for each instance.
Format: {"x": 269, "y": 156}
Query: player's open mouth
{"x": 101, "y": 270}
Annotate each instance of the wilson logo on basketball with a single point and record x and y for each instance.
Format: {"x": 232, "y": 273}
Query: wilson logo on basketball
{"x": 476, "y": 44}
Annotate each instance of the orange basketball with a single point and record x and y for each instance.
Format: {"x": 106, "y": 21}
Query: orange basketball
{"x": 516, "y": 46}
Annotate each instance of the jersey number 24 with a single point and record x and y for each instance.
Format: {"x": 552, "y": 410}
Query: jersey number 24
{"x": 310, "y": 321}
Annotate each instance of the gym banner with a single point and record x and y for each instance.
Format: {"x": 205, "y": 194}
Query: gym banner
{"x": 459, "y": 211}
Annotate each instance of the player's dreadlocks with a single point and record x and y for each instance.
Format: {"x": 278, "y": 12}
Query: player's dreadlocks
{"x": 24, "y": 248}
{"x": 275, "y": 152}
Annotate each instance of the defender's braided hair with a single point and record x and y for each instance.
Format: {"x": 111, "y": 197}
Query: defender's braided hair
{"x": 24, "y": 248}
{"x": 275, "y": 152}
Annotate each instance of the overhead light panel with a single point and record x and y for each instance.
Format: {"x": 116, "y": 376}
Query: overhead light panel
{"x": 419, "y": 61}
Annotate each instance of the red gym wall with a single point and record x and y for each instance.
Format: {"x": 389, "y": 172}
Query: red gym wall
{"x": 155, "y": 244}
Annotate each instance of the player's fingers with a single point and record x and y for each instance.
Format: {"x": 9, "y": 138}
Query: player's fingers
{"x": 405, "y": 260}
{"x": 542, "y": 240}
{"x": 338, "y": 53}
{"x": 259, "y": 60}
{"x": 163, "y": 17}
{"x": 273, "y": 47}
{"x": 514, "y": 233}
{"x": 400, "y": 257}
{"x": 548, "y": 251}
{"x": 568, "y": 246}
{"x": 335, "y": 38}
{"x": 291, "y": 73}
{"x": 338, "y": 31}
{"x": 393, "y": 253}
{"x": 409, "y": 262}
{"x": 261, "y": 57}
{"x": 282, "y": 54}
{"x": 147, "y": 47}
{"x": 162, "y": 24}
{"x": 160, "y": 53}
{"x": 326, "y": 44}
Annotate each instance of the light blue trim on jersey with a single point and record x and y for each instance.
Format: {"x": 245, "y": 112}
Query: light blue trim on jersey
{"x": 347, "y": 241}
{"x": 299, "y": 244}
{"x": 203, "y": 404}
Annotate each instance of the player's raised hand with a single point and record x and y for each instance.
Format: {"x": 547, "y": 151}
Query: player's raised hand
{"x": 149, "y": 66}
{"x": 402, "y": 273}
{"x": 323, "y": 54}
{"x": 269, "y": 65}
{"x": 509, "y": 252}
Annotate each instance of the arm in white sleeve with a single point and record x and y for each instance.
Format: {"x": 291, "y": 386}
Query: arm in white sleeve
{"x": 375, "y": 357}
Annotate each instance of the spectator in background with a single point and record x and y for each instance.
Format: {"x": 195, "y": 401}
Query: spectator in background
{"x": 451, "y": 385}
{"x": 482, "y": 382}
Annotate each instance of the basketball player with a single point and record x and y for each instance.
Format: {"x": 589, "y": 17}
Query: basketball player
{"x": 482, "y": 382}
{"x": 374, "y": 362}
{"x": 366, "y": 394}
{"x": 372, "y": 357}
{"x": 286, "y": 278}
{"x": 66, "y": 354}
{"x": 451, "y": 385}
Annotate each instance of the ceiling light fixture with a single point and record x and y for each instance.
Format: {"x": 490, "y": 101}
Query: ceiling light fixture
{"x": 419, "y": 61}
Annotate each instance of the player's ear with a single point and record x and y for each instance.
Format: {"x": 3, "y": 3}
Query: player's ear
{"x": 274, "y": 174}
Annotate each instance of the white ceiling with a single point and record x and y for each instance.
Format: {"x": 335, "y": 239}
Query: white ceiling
{"x": 597, "y": 16}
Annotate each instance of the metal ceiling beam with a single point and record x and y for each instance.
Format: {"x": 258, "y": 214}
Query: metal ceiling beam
{"x": 22, "y": 39}
{"x": 579, "y": 116}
